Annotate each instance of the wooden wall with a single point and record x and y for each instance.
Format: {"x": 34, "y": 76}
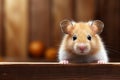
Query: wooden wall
{"x": 16, "y": 28}
{"x": 42, "y": 17}
{"x": 40, "y": 21}
{"x": 109, "y": 12}
{"x": 84, "y": 10}
{"x": 1, "y": 27}
{"x": 60, "y": 9}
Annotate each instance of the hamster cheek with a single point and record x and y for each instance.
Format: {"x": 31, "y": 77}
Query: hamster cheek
{"x": 94, "y": 46}
{"x": 93, "y": 43}
{"x": 75, "y": 48}
{"x": 70, "y": 45}
{"x": 87, "y": 50}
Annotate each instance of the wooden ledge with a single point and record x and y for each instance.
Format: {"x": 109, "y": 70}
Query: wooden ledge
{"x": 20, "y": 63}
{"x": 56, "y": 71}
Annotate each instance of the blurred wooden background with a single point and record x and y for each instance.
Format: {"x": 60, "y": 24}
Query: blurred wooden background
{"x": 23, "y": 21}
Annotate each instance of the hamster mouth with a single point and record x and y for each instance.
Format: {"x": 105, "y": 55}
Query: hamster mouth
{"x": 81, "y": 52}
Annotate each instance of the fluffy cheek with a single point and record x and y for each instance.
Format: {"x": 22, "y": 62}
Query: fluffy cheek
{"x": 69, "y": 45}
{"x": 79, "y": 52}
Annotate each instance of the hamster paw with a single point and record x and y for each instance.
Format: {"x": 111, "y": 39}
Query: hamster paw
{"x": 64, "y": 62}
{"x": 101, "y": 62}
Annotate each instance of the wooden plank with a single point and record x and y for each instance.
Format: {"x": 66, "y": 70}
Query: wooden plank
{"x": 85, "y": 10}
{"x": 26, "y": 63}
{"x": 40, "y": 21}
{"x": 59, "y": 71}
{"x": 16, "y": 26}
{"x": 112, "y": 25}
{"x": 61, "y": 9}
{"x": 51, "y": 63}
{"x": 1, "y": 17}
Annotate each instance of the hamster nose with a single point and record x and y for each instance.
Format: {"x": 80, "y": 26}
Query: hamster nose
{"x": 82, "y": 48}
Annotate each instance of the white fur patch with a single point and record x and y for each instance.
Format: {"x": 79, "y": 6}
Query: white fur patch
{"x": 90, "y": 23}
{"x": 63, "y": 54}
{"x": 102, "y": 55}
{"x": 73, "y": 23}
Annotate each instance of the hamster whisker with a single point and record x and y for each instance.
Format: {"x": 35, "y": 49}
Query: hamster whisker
{"x": 112, "y": 47}
{"x": 113, "y": 50}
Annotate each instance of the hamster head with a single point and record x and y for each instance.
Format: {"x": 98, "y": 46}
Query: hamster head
{"x": 82, "y": 37}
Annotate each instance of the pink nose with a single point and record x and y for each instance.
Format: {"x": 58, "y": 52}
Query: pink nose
{"x": 82, "y": 48}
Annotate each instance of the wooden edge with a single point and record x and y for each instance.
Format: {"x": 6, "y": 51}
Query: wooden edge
{"x": 56, "y": 71}
{"x": 53, "y": 63}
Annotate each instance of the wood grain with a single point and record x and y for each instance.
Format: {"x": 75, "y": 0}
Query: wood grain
{"x": 60, "y": 10}
{"x": 40, "y": 21}
{"x": 85, "y": 10}
{"x": 1, "y": 17}
{"x": 50, "y": 71}
{"x": 16, "y": 26}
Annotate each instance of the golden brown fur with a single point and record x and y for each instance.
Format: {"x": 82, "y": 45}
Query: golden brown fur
{"x": 81, "y": 30}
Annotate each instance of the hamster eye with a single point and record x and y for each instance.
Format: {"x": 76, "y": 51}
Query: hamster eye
{"x": 74, "y": 38}
{"x": 89, "y": 37}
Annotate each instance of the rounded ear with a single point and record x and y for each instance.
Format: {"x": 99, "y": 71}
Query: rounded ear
{"x": 67, "y": 26}
{"x": 97, "y": 26}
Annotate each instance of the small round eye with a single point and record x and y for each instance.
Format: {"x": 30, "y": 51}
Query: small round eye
{"x": 74, "y": 38}
{"x": 89, "y": 37}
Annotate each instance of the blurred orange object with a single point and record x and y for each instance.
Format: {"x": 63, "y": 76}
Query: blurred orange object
{"x": 51, "y": 53}
{"x": 36, "y": 48}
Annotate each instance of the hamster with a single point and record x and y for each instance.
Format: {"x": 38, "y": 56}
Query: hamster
{"x": 82, "y": 43}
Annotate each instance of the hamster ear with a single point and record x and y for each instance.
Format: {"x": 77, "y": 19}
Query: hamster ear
{"x": 67, "y": 26}
{"x": 96, "y": 26}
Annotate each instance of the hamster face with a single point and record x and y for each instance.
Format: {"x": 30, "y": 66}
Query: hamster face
{"x": 81, "y": 39}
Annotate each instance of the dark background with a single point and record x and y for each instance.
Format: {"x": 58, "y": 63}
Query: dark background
{"x": 24, "y": 21}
